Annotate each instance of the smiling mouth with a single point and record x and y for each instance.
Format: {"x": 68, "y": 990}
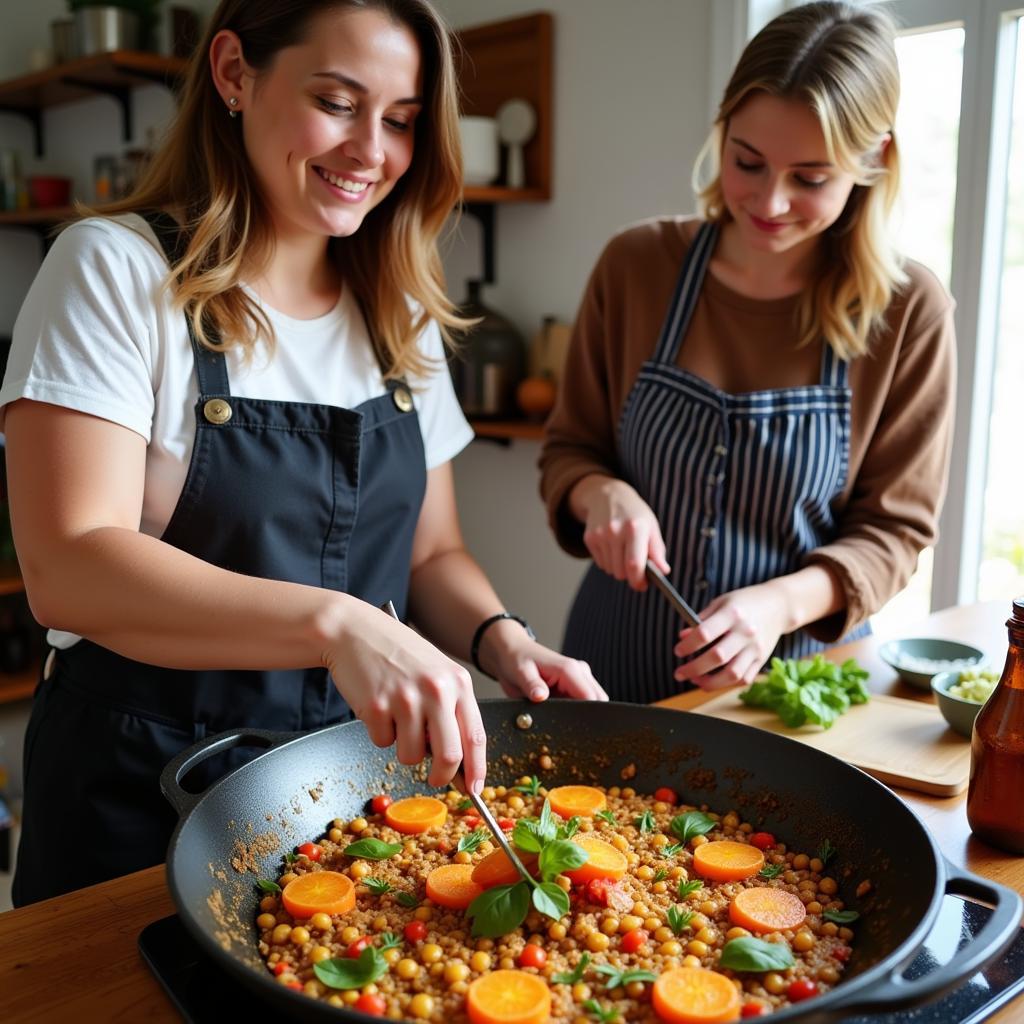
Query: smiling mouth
{"x": 345, "y": 184}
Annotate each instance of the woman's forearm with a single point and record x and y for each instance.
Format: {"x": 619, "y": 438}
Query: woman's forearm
{"x": 809, "y": 594}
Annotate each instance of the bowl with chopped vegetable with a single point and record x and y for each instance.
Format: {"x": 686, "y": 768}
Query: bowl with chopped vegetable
{"x": 960, "y": 696}
{"x": 918, "y": 660}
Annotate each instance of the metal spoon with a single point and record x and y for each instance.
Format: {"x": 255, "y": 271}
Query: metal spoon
{"x": 481, "y": 808}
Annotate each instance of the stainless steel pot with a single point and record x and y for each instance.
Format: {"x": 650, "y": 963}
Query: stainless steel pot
{"x": 104, "y": 29}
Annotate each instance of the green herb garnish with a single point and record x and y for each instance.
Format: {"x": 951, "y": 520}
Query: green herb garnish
{"x": 469, "y": 843}
{"x": 678, "y": 919}
{"x": 464, "y": 805}
{"x": 609, "y": 1016}
{"x": 290, "y": 858}
{"x": 693, "y": 823}
{"x": 660, "y": 875}
{"x": 377, "y": 886}
{"x": 265, "y": 885}
{"x": 750, "y": 954}
{"x": 685, "y": 888}
{"x": 621, "y": 976}
{"x": 813, "y": 690}
{"x": 826, "y": 852}
{"x": 671, "y": 850}
{"x": 407, "y": 899}
{"x": 389, "y": 940}
{"x": 771, "y": 871}
{"x": 841, "y": 916}
{"x": 532, "y": 787}
{"x": 576, "y": 974}
{"x": 346, "y": 972}
{"x": 570, "y": 828}
{"x": 606, "y": 815}
{"x": 645, "y": 823}
{"x": 371, "y": 849}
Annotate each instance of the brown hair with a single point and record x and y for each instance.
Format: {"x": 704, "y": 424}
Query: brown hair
{"x": 841, "y": 61}
{"x": 203, "y": 175}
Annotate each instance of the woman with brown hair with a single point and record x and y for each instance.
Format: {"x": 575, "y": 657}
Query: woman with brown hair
{"x": 229, "y": 433}
{"x": 758, "y": 401}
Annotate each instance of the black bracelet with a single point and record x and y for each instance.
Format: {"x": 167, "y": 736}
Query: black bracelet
{"x": 474, "y": 647}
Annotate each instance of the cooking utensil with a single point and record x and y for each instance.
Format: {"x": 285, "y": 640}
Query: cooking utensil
{"x": 288, "y": 794}
{"x": 674, "y": 598}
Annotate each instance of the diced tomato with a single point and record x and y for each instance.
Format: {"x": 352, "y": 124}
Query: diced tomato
{"x": 373, "y": 1004}
{"x": 801, "y": 989}
{"x": 506, "y": 824}
{"x": 666, "y": 795}
{"x": 379, "y": 804}
{"x": 633, "y": 940}
{"x": 753, "y": 1009}
{"x": 842, "y": 953}
{"x": 311, "y": 850}
{"x": 415, "y": 931}
{"x": 762, "y": 840}
{"x": 356, "y": 948}
{"x": 295, "y": 986}
{"x": 533, "y": 956}
{"x": 280, "y": 967}
{"x": 597, "y": 891}
{"x": 471, "y": 821}
{"x": 443, "y": 846}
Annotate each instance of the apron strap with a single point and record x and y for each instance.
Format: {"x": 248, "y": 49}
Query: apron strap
{"x": 684, "y": 299}
{"x": 211, "y": 367}
{"x": 834, "y": 371}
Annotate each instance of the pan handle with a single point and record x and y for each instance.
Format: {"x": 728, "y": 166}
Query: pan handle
{"x": 896, "y": 992}
{"x": 170, "y": 778}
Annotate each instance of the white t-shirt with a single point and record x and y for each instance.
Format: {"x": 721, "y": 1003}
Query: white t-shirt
{"x": 98, "y": 334}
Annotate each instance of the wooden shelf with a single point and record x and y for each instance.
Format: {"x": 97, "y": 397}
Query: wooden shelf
{"x": 508, "y": 430}
{"x": 36, "y": 218}
{"x": 12, "y": 584}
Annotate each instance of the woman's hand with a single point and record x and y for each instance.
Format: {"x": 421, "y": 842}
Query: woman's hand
{"x": 738, "y": 632}
{"x": 620, "y": 530}
{"x": 525, "y": 668}
{"x": 407, "y": 692}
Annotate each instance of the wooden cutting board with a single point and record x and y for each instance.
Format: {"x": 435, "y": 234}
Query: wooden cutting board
{"x": 900, "y": 742}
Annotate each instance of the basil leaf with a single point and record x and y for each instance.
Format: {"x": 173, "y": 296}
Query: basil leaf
{"x": 372, "y": 849}
{"x": 546, "y": 828}
{"x": 551, "y": 900}
{"x": 576, "y": 974}
{"x": 500, "y": 910}
{"x": 606, "y": 815}
{"x": 841, "y": 916}
{"x": 693, "y": 823}
{"x": 618, "y": 976}
{"x": 569, "y": 829}
{"x": 345, "y": 973}
{"x": 407, "y": 899}
{"x": 525, "y": 837}
{"x": 560, "y": 855}
{"x": 750, "y": 954}
{"x": 266, "y": 886}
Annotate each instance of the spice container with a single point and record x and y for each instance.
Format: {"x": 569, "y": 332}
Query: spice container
{"x": 995, "y": 797}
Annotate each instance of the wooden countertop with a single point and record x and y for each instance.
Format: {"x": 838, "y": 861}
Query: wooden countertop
{"x": 75, "y": 957}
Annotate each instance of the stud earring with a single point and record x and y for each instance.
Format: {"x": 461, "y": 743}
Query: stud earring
{"x": 234, "y": 103}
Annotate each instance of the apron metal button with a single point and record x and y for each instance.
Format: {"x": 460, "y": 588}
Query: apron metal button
{"x": 216, "y": 410}
{"x": 402, "y": 399}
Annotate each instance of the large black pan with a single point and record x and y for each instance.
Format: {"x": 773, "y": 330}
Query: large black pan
{"x": 289, "y": 793}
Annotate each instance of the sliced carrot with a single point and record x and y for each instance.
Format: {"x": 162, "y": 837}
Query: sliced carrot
{"x": 695, "y": 995}
{"x": 452, "y": 885}
{"x": 727, "y": 861}
{"x": 603, "y": 861}
{"x": 497, "y": 869}
{"x": 761, "y": 909}
{"x": 416, "y": 814}
{"x": 508, "y": 997}
{"x": 319, "y": 892}
{"x": 582, "y": 801}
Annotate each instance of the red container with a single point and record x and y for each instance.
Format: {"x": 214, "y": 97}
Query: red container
{"x": 45, "y": 191}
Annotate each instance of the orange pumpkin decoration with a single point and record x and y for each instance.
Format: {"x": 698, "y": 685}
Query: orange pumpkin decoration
{"x": 536, "y": 397}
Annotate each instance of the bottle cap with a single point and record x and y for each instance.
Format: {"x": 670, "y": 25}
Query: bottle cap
{"x": 1018, "y": 609}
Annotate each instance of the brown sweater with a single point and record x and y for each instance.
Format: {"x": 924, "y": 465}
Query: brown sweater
{"x": 902, "y": 405}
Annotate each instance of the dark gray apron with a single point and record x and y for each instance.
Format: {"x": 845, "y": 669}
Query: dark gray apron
{"x": 742, "y": 486}
{"x": 292, "y": 491}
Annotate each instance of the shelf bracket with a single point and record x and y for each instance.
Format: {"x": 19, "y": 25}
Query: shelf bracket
{"x": 36, "y": 119}
{"x": 121, "y": 93}
{"x": 484, "y": 213}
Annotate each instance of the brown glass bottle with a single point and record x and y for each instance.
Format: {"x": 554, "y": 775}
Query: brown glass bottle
{"x": 995, "y": 799}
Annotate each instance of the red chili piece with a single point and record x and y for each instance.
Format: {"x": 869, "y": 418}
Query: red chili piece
{"x": 842, "y": 953}
{"x": 355, "y": 948}
{"x": 762, "y": 840}
{"x": 311, "y": 850}
{"x": 295, "y": 986}
{"x": 471, "y": 821}
{"x": 415, "y": 931}
{"x": 379, "y": 804}
{"x": 532, "y": 956}
{"x": 666, "y": 795}
{"x": 597, "y": 891}
{"x": 633, "y": 940}
{"x": 801, "y": 989}
{"x": 280, "y": 968}
{"x": 506, "y": 824}
{"x": 374, "y": 1005}
{"x": 753, "y": 1009}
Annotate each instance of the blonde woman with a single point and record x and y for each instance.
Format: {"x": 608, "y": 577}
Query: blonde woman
{"x": 229, "y": 432}
{"x": 759, "y": 401}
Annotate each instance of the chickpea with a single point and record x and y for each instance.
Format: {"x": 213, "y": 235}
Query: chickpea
{"x": 313, "y": 988}
{"x": 321, "y": 922}
{"x": 737, "y": 932}
{"x": 635, "y": 989}
{"x": 663, "y": 933}
{"x": 632, "y": 858}
{"x": 335, "y": 835}
{"x": 359, "y": 869}
{"x": 299, "y": 936}
{"x": 698, "y": 841}
{"x": 421, "y": 1005}
{"x": 652, "y": 923}
{"x": 516, "y": 803}
{"x": 708, "y": 907}
{"x": 430, "y": 953}
{"x": 288, "y": 876}
{"x": 349, "y": 934}
{"x": 406, "y": 968}
{"x": 670, "y": 948}
{"x": 268, "y": 904}
{"x": 488, "y": 792}
{"x": 620, "y": 843}
{"x": 803, "y": 941}
{"x": 266, "y": 921}
{"x": 629, "y": 923}
{"x": 455, "y": 971}
{"x": 506, "y": 963}
{"x": 815, "y": 864}
{"x": 556, "y": 931}
{"x": 863, "y": 889}
{"x": 545, "y": 763}
{"x": 628, "y": 792}
{"x": 320, "y": 954}
{"x": 423, "y": 913}
{"x": 610, "y": 925}
{"x": 335, "y": 1000}
{"x": 460, "y": 988}
{"x": 597, "y": 942}
{"x": 846, "y": 934}
{"x": 581, "y": 992}
{"x": 828, "y": 886}
{"x": 697, "y": 947}
{"x": 774, "y": 983}
{"x": 614, "y": 791}
{"x": 380, "y": 923}
{"x": 640, "y": 909}
{"x": 678, "y": 872}
{"x": 351, "y": 996}
{"x": 357, "y": 825}
{"x": 485, "y": 944}
{"x": 828, "y": 928}
{"x": 281, "y": 934}
{"x": 800, "y": 861}
{"x": 659, "y": 888}
{"x": 436, "y": 969}
{"x": 392, "y": 956}
{"x": 731, "y": 820}
{"x": 691, "y": 961}
{"x": 707, "y": 934}
{"x": 463, "y": 857}
{"x": 828, "y": 974}
{"x": 645, "y": 873}
{"x": 814, "y": 907}
{"x": 480, "y": 961}
{"x": 659, "y": 840}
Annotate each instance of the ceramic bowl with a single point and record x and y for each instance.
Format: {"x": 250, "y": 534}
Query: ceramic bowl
{"x": 960, "y": 713}
{"x": 910, "y": 658}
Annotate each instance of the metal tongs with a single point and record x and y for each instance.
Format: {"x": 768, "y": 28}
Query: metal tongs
{"x": 481, "y": 808}
{"x": 674, "y": 598}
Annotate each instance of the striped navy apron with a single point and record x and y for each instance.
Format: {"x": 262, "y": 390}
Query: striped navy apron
{"x": 742, "y": 486}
